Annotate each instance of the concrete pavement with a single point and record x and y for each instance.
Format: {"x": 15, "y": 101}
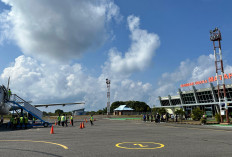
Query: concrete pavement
{"x": 118, "y": 138}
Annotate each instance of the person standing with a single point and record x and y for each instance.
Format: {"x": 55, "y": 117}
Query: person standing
{"x": 21, "y": 122}
{"x": 151, "y": 118}
{"x": 26, "y": 122}
{"x": 71, "y": 118}
{"x": 164, "y": 118}
{"x": 176, "y": 117}
{"x": 147, "y": 117}
{"x": 15, "y": 123}
{"x": 66, "y": 120}
{"x": 58, "y": 119}
{"x": 158, "y": 117}
{"x": 11, "y": 122}
{"x": 2, "y": 119}
{"x": 144, "y": 118}
{"x": 33, "y": 120}
{"x": 9, "y": 94}
{"x": 91, "y": 120}
{"x": 63, "y": 120}
{"x": 167, "y": 115}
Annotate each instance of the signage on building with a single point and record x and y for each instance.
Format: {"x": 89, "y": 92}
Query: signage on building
{"x": 210, "y": 79}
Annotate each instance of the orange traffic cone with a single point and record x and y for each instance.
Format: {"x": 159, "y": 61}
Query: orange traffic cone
{"x": 70, "y": 121}
{"x": 80, "y": 125}
{"x": 86, "y": 121}
{"x": 55, "y": 123}
{"x": 52, "y": 130}
{"x": 83, "y": 125}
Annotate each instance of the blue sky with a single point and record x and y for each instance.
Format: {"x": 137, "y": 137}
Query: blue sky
{"x": 63, "y": 51}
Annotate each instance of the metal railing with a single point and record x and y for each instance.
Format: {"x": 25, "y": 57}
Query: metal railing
{"x": 27, "y": 105}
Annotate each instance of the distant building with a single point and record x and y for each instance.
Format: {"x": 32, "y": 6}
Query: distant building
{"x": 123, "y": 110}
{"x": 205, "y": 98}
{"x": 78, "y": 112}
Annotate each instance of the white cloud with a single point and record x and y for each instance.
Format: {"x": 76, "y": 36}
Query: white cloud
{"x": 139, "y": 54}
{"x": 58, "y": 29}
{"x": 60, "y": 83}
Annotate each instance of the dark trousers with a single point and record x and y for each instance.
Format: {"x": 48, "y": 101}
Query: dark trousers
{"x": 91, "y": 122}
{"x": 66, "y": 122}
{"x": 58, "y": 122}
{"x": 62, "y": 123}
{"x": 72, "y": 122}
{"x": 25, "y": 125}
{"x": 21, "y": 125}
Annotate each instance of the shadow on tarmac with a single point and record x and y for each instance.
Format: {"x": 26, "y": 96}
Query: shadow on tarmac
{"x": 23, "y": 150}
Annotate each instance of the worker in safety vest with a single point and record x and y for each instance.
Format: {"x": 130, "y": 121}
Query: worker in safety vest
{"x": 21, "y": 120}
{"x": 63, "y": 120}
{"x": 33, "y": 120}
{"x": 91, "y": 120}
{"x": 9, "y": 94}
{"x": 58, "y": 119}
{"x": 66, "y": 120}
{"x": 15, "y": 123}
{"x": 26, "y": 122}
{"x": 12, "y": 122}
{"x": 71, "y": 118}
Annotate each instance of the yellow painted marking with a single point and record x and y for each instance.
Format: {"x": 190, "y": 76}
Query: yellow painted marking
{"x": 120, "y": 145}
{"x": 63, "y": 146}
{"x": 141, "y": 145}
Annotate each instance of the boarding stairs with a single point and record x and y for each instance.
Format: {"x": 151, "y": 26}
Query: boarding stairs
{"x": 19, "y": 103}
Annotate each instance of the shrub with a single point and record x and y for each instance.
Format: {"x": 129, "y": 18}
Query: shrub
{"x": 197, "y": 114}
{"x": 180, "y": 112}
{"x": 203, "y": 120}
{"x": 218, "y": 117}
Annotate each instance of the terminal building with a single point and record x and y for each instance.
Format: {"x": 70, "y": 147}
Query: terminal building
{"x": 206, "y": 99}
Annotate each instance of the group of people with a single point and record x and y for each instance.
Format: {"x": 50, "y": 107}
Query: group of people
{"x": 21, "y": 121}
{"x": 157, "y": 117}
{"x": 63, "y": 120}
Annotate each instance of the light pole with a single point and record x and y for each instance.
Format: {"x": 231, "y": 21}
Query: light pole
{"x": 108, "y": 95}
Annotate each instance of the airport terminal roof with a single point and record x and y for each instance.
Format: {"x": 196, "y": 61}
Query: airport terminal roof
{"x": 123, "y": 108}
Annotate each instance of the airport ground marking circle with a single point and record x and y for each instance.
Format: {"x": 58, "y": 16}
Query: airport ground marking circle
{"x": 139, "y": 143}
{"x": 63, "y": 146}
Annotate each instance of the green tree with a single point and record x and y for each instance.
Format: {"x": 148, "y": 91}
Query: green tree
{"x": 45, "y": 113}
{"x": 162, "y": 111}
{"x": 155, "y": 110}
{"x": 197, "y": 113}
{"x": 59, "y": 111}
{"x": 116, "y": 104}
{"x": 104, "y": 110}
{"x": 180, "y": 112}
{"x": 138, "y": 106}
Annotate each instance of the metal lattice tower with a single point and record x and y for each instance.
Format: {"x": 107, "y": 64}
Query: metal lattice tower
{"x": 215, "y": 36}
{"x": 108, "y": 96}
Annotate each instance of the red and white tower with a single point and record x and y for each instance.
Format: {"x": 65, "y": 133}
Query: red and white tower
{"x": 215, "y": 36}
{"x": 108, "y": 96}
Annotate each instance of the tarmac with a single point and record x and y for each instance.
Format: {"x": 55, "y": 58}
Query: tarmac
{"x": 118, "y": 138}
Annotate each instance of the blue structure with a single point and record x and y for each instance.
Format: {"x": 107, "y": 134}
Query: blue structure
{"x": 79, "y": 112}
{"x": 123, "y": 110}
{"x": 25, "y": 106}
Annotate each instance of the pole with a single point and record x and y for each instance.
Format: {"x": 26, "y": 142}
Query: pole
{"x": 108, "y": 96}
{"x": 215, "y": 36}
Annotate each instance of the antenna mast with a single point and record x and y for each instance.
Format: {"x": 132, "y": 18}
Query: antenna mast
{"x": 215, "y": 36}
{"x": 108, "y": 96}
